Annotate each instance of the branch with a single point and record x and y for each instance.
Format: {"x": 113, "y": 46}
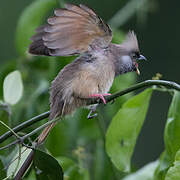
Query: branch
{"x": 21, "y": 139}
{"x": 24, "y": 125}
{"x": 11, "y": 130}
{"x": 25, "y": 166}
{"x": 144, "y": 84}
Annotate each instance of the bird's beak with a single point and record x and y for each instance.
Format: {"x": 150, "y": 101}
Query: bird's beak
{"x": 141, "y": 57}
{"x": 137, "y": 69}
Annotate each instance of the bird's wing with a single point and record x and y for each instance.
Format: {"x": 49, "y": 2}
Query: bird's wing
{"x": 72, "y": 30}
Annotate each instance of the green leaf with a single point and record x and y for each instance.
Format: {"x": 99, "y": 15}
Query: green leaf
{"x": 53, "y": 144}
{"x": 124, "y": 129}
{"x": 164, "y": 164}
{"x": 30, "y": 176}
{"x": 172, "y": 129}
{"x": 4, "y": 116}
{"x": 16, "y": 162}
{"x": 13, "y": 87}
{"x": 174, "y": 171}
{"x": 72, "y": 171}
{"x": 5, "y": 112}
{"x": 118, "y": 36}
{"x": 145, "y": 173}
{"x": 47, "y": 167}
{"x": 171, "y": 138}
{"x": 2, "y": 171}
{"x": 30, "y": 19}
{"x": 5, "y": 69}
{"x": 102, "y": 167}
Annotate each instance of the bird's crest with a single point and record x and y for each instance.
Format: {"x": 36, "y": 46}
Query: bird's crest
{"x": 131, "y": 42}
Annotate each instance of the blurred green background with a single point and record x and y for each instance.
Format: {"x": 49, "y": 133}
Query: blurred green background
{"x": 157, "y": 26}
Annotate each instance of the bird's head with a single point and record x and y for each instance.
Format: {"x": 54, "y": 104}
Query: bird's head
{"x": 128, "y": 55}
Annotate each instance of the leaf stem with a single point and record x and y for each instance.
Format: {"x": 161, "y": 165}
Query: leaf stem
{"x": 10, "y": 130}
{"x": 18, "y": 161}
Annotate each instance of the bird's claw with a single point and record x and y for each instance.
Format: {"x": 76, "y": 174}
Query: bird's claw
{"x": 101, "y": 96}
{"x": 91, "y": 116}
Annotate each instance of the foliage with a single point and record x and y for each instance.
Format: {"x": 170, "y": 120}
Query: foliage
{"x": 18, "y": 161}
{"x": 174, "y": 172}
{"x": 171, "y": 139}
{"x": 145, "y": 173}
{"x": 13, "y": 81}
{"x": 130, "y": 118}
{"x": 28, "y": 22}
{"x": 75, "y": 148}
{"x": 51, "y": 170}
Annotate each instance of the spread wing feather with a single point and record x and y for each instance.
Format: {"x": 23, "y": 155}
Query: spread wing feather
{"x": 72, "y": 30}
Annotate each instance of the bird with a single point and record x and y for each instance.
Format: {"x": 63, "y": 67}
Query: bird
{"x": 78, "y": 30}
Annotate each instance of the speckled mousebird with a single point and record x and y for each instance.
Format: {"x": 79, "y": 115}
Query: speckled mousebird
{"x": 78, "y": 30}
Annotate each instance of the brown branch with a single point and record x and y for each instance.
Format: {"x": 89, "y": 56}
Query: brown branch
{"x": 25, "y": 166}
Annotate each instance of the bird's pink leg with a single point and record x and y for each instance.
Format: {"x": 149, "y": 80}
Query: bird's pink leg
{"x": 101, "y": 96}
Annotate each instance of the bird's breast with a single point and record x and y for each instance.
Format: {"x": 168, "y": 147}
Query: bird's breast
{"x": 106, "y": 78}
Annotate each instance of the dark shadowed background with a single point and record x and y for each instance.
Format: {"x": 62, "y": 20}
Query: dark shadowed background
{"x": 158, "y": 33}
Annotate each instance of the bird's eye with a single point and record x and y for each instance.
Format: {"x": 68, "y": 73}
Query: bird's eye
{"x": 135, "y": 55}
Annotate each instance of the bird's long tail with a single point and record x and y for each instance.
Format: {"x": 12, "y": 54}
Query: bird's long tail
{"x": 45, "y": 133}
{"x": 53, "y": 115}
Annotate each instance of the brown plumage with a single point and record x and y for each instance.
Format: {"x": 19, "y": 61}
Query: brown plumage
{"x": 76, "y": 26}
{"x": 78, "y": 30}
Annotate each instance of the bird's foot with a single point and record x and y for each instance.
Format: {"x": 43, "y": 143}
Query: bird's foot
{"x": 100, "y": 96}
{"x": 90, "y": 115}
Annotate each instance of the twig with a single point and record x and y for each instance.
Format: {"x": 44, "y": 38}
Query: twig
{"x": 9, "y": 145}
{"x": 21, "y": 139}
{"x": 18, "y": 162}
{"x": 24, "y": 125}
{"x": 13, "y": 160}
{"x": 29, "y": 159}
{"x": 144, "y": 84}
{"x": 141, "y": 85}
{"x": 25, "y": 166}
{"x": 39, "y": 128}
{"x": 11, "y": 130}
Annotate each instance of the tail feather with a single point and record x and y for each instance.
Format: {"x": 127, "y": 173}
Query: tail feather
{"x": 45, "y": 133}
{"x": 38, "y": 48}
{"x": 57, "y": 108}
